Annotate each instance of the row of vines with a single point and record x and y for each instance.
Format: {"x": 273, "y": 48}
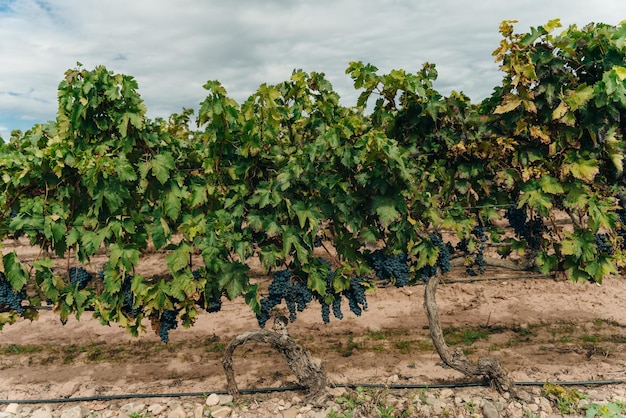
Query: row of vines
{"x": 292, "y": 170}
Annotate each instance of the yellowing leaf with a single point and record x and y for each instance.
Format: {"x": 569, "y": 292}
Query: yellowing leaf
{"x": 620, "y": 72}
{"x": 540, "y": 133}
{"x": 560, "y": 111}
{"x": 579, "y": 97}
{"x": 583, "y": 169}
{"x": 507, "y": 107}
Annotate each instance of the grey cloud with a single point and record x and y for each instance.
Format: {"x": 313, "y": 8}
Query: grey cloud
{"x": 173, "y": 47}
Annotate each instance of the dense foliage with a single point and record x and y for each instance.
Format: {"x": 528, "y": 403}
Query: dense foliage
{"x": 291, "y": 172}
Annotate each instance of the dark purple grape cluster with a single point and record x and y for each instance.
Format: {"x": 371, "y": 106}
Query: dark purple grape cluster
{"x": 531, "y": 230}
{"x": 479, "y": 261}
{"x": 129, "y": 298}
{"x": 168, "y": 322}
{"x": 9, "y": 298}
{"x": 390, "y": 267}
{"x": 295, "y": 293}
{"x": 79, "y": 276}
{"x": 356, "y": 296}
{"x": 479, "y": 233}
{"x": 443, "y": 259}
{"x": 285, "y": 286}
{"x": 603, "y": 244}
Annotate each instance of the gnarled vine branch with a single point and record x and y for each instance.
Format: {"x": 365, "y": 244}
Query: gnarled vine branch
{"x": 487, "y": 367}
{"x": 309, "y": 371}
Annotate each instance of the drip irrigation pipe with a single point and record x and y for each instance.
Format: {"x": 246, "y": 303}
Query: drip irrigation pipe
{"x": 294, "y": 388}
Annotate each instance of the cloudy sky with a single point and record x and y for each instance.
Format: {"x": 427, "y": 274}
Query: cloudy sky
{"x": 173, "y": 47}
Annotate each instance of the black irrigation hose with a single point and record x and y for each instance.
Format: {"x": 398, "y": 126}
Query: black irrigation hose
{"x": 293, "y": 388}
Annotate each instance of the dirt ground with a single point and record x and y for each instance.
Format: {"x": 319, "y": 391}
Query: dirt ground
{"x": 540, "y": 329}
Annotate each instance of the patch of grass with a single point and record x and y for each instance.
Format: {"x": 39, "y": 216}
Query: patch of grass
{"x": 465, "y": 335}
{"x": 17, "y": 349}
{"x": 598, "y": 322}
{"x": 590, "y": 338}
{"x": 216, "y": 348}
{"x": 404, "y": 346}
{"x": 376, "y": 335}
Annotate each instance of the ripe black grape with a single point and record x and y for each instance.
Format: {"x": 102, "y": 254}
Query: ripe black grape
{"x": 530, "y": 230}
{"x": 603, "y": 244}
{"x": 168, "y": 322}
{"x": 390, "y": 267}
{"x": 79, "y": 276}
{"x": 278, "y": 290}
{"x": 325, "y": 312}
{"x": 443, "y": 259}
{"x": 129, "y": 298}
{"x": 9, "y": 297}
{"x": 337, "y": 307}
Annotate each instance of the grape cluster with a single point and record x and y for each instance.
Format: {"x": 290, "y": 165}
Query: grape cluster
{"x": 356, "y": 296}
{"x": 337, "y": 308}
{"x": 443, "y": 259}
{"x": 463, "y": 245}
{"x": 167, "y": 323}
{"x": 9, "y": 297}
{"x": 390, "y": 267}
{"x": 529, "y": 229}
{"x": 479, "y": 233}
{"x": 286, "y": 286}
{"x": 129, "y": 298}
{"x": 296, "y": 295}
{"x": 479, "y": 261}
{"x": 79, "y": 276}
{"x": 603, "y": 244}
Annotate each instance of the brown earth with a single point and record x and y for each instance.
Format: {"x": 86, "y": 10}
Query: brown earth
{"x": 541, "y": 330}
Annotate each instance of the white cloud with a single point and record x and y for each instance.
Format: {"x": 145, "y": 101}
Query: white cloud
{"x": 173, "y": 47}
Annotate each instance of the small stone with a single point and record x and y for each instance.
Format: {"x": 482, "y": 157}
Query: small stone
{"x": 393, "y": 379}
{"x": 446, "y": 393}
{"x": 156, "y": 408}
{"x": 68, "y": 389}
{"x": 5, "y": 415}
{"x": 489, "y": 410}
{"x": 337, "y": 392}
{"x": 78, "y": 411}
{"x": 221, "y": 412}
{"x": 177, "y": 411}
{"x": 296, "y": 400}
{"x": 42, "y": 413}
{"x": 290, "y": 413}
{"x": 545, "y": 405}
{"x": 198, "y": 411}
{"x": 13, "y": 408}
{"x": 132, "y": 408}
{"x": 212, "y": 400}
{"x": 225, "y": 399}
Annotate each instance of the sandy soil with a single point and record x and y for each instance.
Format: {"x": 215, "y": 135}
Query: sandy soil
{"x": 541, "y": 329}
